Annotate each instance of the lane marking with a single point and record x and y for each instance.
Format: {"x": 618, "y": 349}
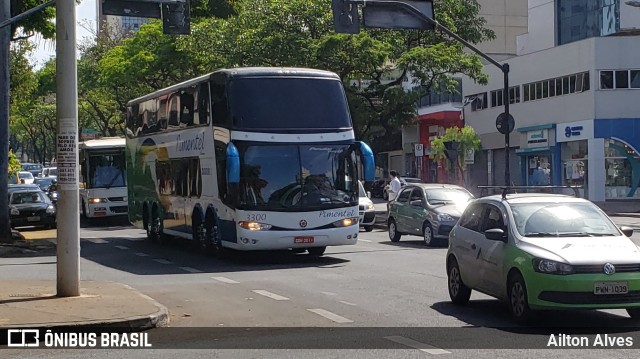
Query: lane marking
{"x": 331, "y": 316}
{"x": 347, "y": 303}
{"x": 225, "y": 280}
{"x": 365, "y": 240}
{"x": 329, "y": 293}
{"x": 191, "y": 270}
{"x": 162, "y": 261}
{"x": 140, "y": 254}
{"x": 266, "y": 293}
{"x": 122, "y": 247}
{"x": 95, "y": 240}
{"x": 417, "y": 345}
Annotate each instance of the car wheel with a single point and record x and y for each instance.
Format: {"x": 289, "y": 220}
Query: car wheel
{"x": 458, "y": 291}
{"x": 518, "y": 300}
{"x": 634, "y": 313}
{"x": 316, "y": 251}
{"x": 427, "y": 235}
{"x": 368, "y": 228}
{"x": 394, "y": 235}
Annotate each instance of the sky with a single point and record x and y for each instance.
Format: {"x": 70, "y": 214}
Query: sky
{"x": 85, "y": 17}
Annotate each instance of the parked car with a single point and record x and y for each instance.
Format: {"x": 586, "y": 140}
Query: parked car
{"x": 34, "y": 168}
{"x": 367, "y": 210}
{"x": 25, "y": 177}
{"x": 543, "y": 251}
{"x": 31, "y": 207}
{"x": 427, "y": 210}
{"x": 403, "y": 182}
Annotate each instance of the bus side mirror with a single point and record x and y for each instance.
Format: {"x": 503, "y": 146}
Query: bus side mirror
{"x": 368, "y": 162}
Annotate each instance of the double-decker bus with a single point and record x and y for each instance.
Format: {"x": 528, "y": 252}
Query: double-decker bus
{"x": 247, "y": 159}
{"x": 103, "y": 177}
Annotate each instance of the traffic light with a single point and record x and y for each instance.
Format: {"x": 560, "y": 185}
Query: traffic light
{"x": 346, "y": 19}
{"x": 176, "y": 18}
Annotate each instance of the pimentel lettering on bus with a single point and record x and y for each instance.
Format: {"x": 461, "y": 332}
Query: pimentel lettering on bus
{"x": 572, "y": 131}
{"x": 339, "y": 214}
{"x": 193, "y": 144}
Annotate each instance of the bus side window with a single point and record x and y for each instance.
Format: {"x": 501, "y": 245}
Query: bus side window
{"x": 186, "y": 108}
{"x": 220, "y": 107}
{"x": 173, "y": 110}
{"x": 202, "y": 112}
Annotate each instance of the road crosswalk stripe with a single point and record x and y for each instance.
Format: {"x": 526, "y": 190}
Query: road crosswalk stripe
{"x": 122, "y": 247}
{"x": 331, "y": 316}
{"x": 417, "y": 345}
{"x": 268, "y": 294}
{"x": 191, "y": 270}
{"x": 162, "y": 261}
{"x": 140, "y": 254}
{"x": 225, "y": 280}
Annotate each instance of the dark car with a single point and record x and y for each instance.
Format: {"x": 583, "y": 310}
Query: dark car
{"x": 44, "y": 182}
{"x": 427, "y": 210}
{"x": 34, "y": 168}
{"x": 31, "y": 207}
{"x": 377, "y": 190}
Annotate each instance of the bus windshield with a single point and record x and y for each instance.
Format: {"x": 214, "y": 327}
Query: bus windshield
{"x": 272, "y": 103}
{"x": 297, "y": 177}
{"x": 107, "y": 170}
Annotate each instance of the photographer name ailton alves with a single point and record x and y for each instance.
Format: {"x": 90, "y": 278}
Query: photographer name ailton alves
{"x": 600, "y": 340}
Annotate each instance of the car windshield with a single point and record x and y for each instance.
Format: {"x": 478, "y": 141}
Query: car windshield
{"x": 28, "y": 197}
{"x": 31, "y": 167}
{"x": 448, "y": 196}
{"x": 53, "y": 171}
{"x": 281, "y": 177}
{"x": 25, "y": 175}
{"x": 44, "y": 183}
{"x": 579, "y": 219}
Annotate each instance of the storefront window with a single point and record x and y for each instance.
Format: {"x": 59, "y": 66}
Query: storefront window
{"x": 538, "y": 171}
{"x": 574, "y": 163}
{"x": 622, "y": 166}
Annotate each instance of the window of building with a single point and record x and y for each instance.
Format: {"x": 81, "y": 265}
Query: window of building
{"x": 581, "y": 19}
{"x": 621, "y": 167}
{"x": 478, "y": 101}
{"x": 606, "y": 80}
{"x": 635, "y": 78}
{"x": 565, "y": 85}
{"x": 574, "y": 163}
{"x": 622, "y": 79}
{"x": 435, "y": 96}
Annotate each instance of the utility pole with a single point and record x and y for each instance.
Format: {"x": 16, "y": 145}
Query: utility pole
{"x": 68, "y": 245}
{"x": 5, "y": 38}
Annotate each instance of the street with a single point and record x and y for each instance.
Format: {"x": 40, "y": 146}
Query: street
{"x": 377, "y": 286}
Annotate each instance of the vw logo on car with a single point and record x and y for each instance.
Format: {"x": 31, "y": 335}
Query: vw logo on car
{"x": 609, "y": 269}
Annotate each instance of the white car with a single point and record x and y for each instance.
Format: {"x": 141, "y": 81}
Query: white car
{"x": 26, "y": 177}
{"x": 367, "y": 210}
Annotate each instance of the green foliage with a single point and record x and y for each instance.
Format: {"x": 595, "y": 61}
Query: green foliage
{"x": 39, "y": 22}
{"x": 14, "y": 165}
{"x": 466, "y": 137}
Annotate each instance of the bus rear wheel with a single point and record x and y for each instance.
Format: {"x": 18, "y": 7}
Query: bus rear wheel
{"x": 154, "y": 227}
{"x": 199, "y": 235}
{"x": 213, "y": 244}
{"x": 316, "y": 251}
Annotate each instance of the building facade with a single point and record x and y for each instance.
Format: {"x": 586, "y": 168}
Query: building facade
{"x": 574, "y": 99}
{"x": 120, "y": 24}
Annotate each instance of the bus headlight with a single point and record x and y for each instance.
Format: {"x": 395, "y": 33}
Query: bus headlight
{"x": 346, "y": 222}
{"x": 97, "y": 200}
{"x": 254, "y": 226}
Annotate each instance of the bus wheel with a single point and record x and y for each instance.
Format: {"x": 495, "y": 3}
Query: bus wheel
{"x": 213, "y": 241}
{"x": 199, "y": 235}
{"x": 316, "y": 251}
{"x": 154, "y": 228}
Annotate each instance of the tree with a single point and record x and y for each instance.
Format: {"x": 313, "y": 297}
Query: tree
{"x": 467, "y": 140}
{"x": 37, "y": 23}
{"x": 14, "y": 165}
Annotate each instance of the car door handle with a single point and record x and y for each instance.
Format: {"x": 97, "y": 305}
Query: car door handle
{"x": 473, "y": 246}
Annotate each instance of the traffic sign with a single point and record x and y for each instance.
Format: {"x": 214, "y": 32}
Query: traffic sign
{"x": 505, "y": 125}
{"x": 419, "y": 149}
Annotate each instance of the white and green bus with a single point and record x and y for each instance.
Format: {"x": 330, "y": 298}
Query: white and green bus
{"x": 247, "y": 159}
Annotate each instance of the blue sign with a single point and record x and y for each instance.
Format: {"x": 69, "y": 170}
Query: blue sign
{"x": 572, "y": 131}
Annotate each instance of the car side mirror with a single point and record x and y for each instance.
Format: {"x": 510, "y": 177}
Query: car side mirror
{"x": 369, "y": 194}
{"x": 495, "y": 234}
{"x": 628, "y": 231}
{"x": 417, "y": 202}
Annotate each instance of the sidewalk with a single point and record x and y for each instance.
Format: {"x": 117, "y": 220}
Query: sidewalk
{"x": 33, "y": 303}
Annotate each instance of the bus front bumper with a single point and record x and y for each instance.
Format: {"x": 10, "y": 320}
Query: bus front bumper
{"x": 280, "y": 240}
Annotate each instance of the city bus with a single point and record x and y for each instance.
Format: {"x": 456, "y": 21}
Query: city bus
{"x": 103, "y": 177}
{"x": 247, "y": 159}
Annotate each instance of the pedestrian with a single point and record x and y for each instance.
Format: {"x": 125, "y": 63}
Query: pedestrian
{"x": 394, "y": 187}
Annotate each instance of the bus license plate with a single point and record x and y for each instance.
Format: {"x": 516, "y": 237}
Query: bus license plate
{"x": 303, "y": 240}
{"x": 33, "y": 219}
{"x": 600, "y": 288}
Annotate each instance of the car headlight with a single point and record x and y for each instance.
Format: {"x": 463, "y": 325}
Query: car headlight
{"x": 51, "y": 209}
{"x": 443, "y": 217}
{"x": 371, "y": 207}
{"x": 346, "y": 222}
{"x": 254, "y": 226}
{"x": 551, "y": 267}
{"x": 14, "y": 211}
{"x": 97, "y": 200}
{"x": 54, "y": 195}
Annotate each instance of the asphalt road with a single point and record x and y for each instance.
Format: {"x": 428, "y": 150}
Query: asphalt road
{"x": 374, "y": 299}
